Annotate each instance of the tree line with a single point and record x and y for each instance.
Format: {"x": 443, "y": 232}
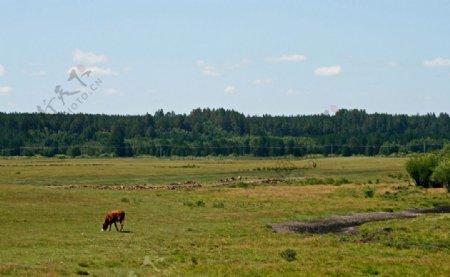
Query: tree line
{"x": 205, "y": 132}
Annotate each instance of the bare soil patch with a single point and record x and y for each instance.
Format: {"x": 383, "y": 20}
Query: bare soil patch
{"x": 349, "y": 223}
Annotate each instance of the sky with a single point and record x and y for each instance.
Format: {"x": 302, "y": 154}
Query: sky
{"x": 253, "y": 56}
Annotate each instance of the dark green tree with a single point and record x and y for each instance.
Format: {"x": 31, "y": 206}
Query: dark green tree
{"x": 117, "y": 140}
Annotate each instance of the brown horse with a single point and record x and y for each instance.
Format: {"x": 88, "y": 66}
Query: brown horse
{"x": 113, "y": 217}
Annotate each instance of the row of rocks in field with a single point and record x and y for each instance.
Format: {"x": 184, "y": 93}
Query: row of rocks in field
{"x": 256, "y": 181}
{"x": 232, "y": 179}
{"x": 272, "y": 181}
{"x": 189, "y": 185}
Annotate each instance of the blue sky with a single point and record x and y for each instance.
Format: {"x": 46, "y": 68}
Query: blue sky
{"x": 254, "y": 56}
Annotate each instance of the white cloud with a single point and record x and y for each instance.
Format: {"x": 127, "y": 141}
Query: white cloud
{"x": 38, "y": 73}
{"x": 98, "y": 71}
{"x": 2, "y": 70}
{"x": 328, "y": 70}
{"x": 95, "y": 71}
{"x": 5, "y": 90}
{"x": 88, "y": 57}
{"x": 210, "y": 72}
{"x": 286, "y": 58}
{"x": 260, "y": 82}
{"x": 207, "y": 69}
{"x": 437, "y": 62}
{"x": 112, "y": 92}
{"x": 230, "y": 90}
{"x": 241, "y": 64}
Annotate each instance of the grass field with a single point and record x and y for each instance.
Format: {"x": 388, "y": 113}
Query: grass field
{"x": 214, "y": 230}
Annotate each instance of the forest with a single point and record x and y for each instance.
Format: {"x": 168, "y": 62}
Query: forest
{"x": 221, "y": 132}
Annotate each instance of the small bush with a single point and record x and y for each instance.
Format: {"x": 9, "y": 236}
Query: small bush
{"x": 370, "y": 271}
{"x": 369, "y": 192}
{"x": 82, "y": 272}
{"x": 289, "y": 255}
{"x": 125, "y": 200}
{"x": 198, "y": 203}
{"x": 421, "y": 169}
{"x": 441, "y": 174}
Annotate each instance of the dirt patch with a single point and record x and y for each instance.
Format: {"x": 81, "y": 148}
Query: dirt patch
{"x": 349, "y": 223}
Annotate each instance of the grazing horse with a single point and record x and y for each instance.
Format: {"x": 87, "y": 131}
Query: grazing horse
{"x": 113, "y": 217}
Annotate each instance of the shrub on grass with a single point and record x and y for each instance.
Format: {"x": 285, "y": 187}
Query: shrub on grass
{"x": 198, "y": 203}
{"x": 421, "y": 169}
{"x": 342, "y": 181}
{"x": 369, "y": 192}
{"x": 441, "y": 174}
{"x": 82, "y": 272}
{"x": 370, "y": 271}
{"x": 289, "y": 255}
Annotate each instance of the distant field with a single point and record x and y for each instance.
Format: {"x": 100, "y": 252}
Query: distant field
{"x": 53, "y": 171}
{"x": 218, "y": 231}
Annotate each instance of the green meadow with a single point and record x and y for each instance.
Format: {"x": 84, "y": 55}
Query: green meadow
{"x": 220, "y": 228}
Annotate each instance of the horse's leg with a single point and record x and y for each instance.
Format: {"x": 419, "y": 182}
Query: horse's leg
{"x": 121, "y": 226}
{"x": 115, "y": 225}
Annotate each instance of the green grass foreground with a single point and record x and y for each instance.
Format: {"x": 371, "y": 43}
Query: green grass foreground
{"x": 214, "y": 231}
